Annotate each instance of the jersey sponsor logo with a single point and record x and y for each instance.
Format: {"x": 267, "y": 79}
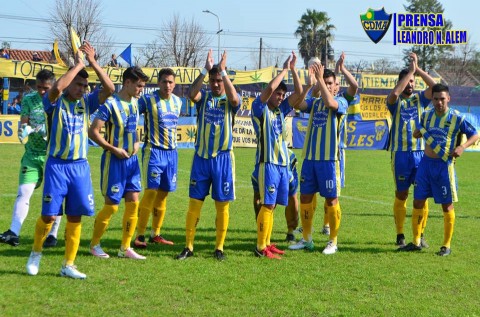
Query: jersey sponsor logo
{"x": 320, "y": 119}
{"x": 215, "y": 115}
{"x": 375, "y": 23}
{"x": 409, "y": 113}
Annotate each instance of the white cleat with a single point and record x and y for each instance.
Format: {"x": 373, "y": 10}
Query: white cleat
{"x": 330, "y": 248}
{"x": 97, "y": 251}
{"x": 131, "y": 254}
{"x": 71, "y": 271}
{"x": 33, "y": 263}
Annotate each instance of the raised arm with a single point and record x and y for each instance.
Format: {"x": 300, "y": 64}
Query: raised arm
{"x": 299, "y": 103}
{"x": 194, "y": 90}
{"x": 108, "y": 87}
{"x": 230, "y": 91}
{"x": 424, "y": 75}
{"x": 63, "y": 82}
{"x": 327, "y": 97}
{"x": 401, "y": 84}
{"x": 273, "y": 84}
{"x": 352, "y": 83}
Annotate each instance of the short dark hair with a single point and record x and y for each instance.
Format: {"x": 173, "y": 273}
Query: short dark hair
{"x": 403, "y": 73}
{"x": 440, "y": 88}
{"x": 328, "y": 73}
{"x": 134, "y": 73}
{"x": 166, "y": 72}
{"x": 214, "y": 71}
{"x": 83, "y": 73}
{"x": 45, "y": 75}
{"x": 282, "y": 86}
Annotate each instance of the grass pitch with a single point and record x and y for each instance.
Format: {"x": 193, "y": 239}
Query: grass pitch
{"x": 367, "y": 277}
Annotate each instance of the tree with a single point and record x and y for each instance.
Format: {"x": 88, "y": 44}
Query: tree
{"x": 315, "y": 33}
{"x": 427, "y": 55}
{"x": 359, "y": 66}
{"x": 385, "y": 66}
{"x": 459, "y": 65}
{"x": 85, "y": 17}
{"x": 270, "y": 56}
{"x": 6, "y": 45}
{"x": 181, "y": 43}
{"x": 152, "y": 55}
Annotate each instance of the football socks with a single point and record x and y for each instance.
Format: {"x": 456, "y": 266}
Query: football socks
{"x": 417, "y": 220}
{"x": 144, "y": 210}
{"x": 41, "y": 231}
{"x": 101, "y": 222}
{"x": 72, "y": 241}
{"x": 399, "y": 214}
{"x": 448, "y": 223}
{"x": 334, "y": 217}
{"x": 159, "y": 209}
{"x": 129, "y": 221}
{"x": 193, "y": 216}
{"x": 221, "y": 223}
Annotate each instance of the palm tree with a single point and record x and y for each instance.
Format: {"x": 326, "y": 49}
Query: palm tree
{"x": 314, "y": 31}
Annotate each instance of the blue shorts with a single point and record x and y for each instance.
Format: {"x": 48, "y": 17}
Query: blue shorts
{"x": 159, "y": 168}
{"x": 272, "y": 183}
{"x": 119, "y": 176}
{"x": 341, "y": 165}
{"x": 293, "y": 182}
{"x": 218, "y": 172}
{"x": 320, "y": 176}
{"x": 436, "y": 178}
{"x": 404, "y": 168}
{"x": 69, "y": 181}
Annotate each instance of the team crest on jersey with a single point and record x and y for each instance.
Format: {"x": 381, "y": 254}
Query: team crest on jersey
{"x": 47, "y": 198}
{"x": 154, "y": 174}
{"x": 376, "y": 23}
{"x": 271, "y": 189}
{"x": 115, "y": 189}
{"x": 79, "y": 108}
{"x": 193, "y": 182}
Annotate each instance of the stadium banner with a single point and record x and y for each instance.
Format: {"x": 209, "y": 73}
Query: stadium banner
{"x": 8, "y": 128}
{"x": 361, "y": 135}
{"x": 371, "y": 107}
{"x": 243, "y": 133}
{"x": 370, "y": 81}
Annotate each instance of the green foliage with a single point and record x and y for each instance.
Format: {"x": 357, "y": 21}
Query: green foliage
{"x": 367, "y": 277}
{"x": 314, "y": 31}
{"x": 428, "y": 56}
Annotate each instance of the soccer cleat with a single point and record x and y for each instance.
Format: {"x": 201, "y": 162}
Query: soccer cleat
{"x": 302, "y": 244}
{"x": 10, "y": 237}
{"x": 423, "y": 242}
{"x": 186, "y": 253}
{"x": 160, "y": 240}
{"x": 33, "y": 263}
{"x": 97, "y": 251}
{"x": 400, "y": 240}
{"x": 330, "y": 248}
{"x": 444, "y": 251}
{"x": 273, "y": 249}
{"x": 290, "y": 238}
{"x": 218, "y": 254}
{"x": 130, "y": 254}
{"x": 50, "y": 242}
{"x": 326, "y": 230}
{"x": 140, "y": 242}
{"x": 410, "y": 247}
{"x": 266, "y": 253}
{"x": 297, "y": 231}
{"x": 72, "y": 272}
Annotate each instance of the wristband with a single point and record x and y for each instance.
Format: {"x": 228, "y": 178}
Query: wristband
{"x": 223, "y": 73}
{"x": 204, "y": 72}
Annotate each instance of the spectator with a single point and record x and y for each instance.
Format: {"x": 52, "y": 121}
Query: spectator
{"x": 113, "y": 62}
{"x": 14, "y": 107}
{"x": 4, "y": 53}
{"x": 36, "y": 57}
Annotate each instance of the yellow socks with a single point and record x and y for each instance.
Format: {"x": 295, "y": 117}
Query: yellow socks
{"x": 417, "y": 220}
{"x": 101, "y": 222}
{"x": 263, "y": 227}
{"x": 399, "y": 214}
{"x": 159, "y": 209}
{"x": 270, "y": 229}
{"x": 306, "y": 215}
{"x": 448, "y": 223}
{"x": 334, "y": 217}
{"x": 193, "y": 216}
{"x": 144, "y": 210}
{"x": 73, "y": 231}
{"x": 221, "y": 223}
{"x": 41, "y": 231}
{"x": 130, "y": 217}
{"x": 326, "y": 222}
{"x": 425, "y": 216}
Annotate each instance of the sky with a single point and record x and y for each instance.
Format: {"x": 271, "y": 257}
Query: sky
{"x": 243, "y": 24}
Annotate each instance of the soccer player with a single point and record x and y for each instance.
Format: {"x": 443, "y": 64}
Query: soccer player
{"x": 160, "y": 157}
{"x": 442, "y": 129}
{"x": 67, "y": 173}
{"x": 320, "y": 171}
{"x": 32, "y": 118}
{"x": 120, "y": 168}
{"x": 405, "y": 106}
{"x": 213, "y": 161}
{"x": 271, "y": 176}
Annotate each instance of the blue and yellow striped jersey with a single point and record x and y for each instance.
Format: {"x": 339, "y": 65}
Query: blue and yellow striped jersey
{"x": 270, "y": 130}
{"x": 67, "y": 125}
{"x": 406, "y": 114}
{"x": 215, "y": 118}
{"x": 443, "y": 133}
{"x": 322, "y": 138}
{"x": 161, "y": 119}
{"x": 121, "y": 120}
{"x": 293, "y": 160}
{"x": 342, "y": 120}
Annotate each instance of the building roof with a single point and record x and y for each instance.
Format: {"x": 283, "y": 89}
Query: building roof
{"x": 27, "y": 55}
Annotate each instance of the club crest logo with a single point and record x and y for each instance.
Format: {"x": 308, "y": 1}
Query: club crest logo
{"x": 376, "y": 23}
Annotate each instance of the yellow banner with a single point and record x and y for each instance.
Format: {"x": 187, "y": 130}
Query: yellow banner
{"x": 373, "y": 107}
{"x": 243, "y": 132}
{"x": 8, "y": 128}
{"x": 389, "y": 81}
